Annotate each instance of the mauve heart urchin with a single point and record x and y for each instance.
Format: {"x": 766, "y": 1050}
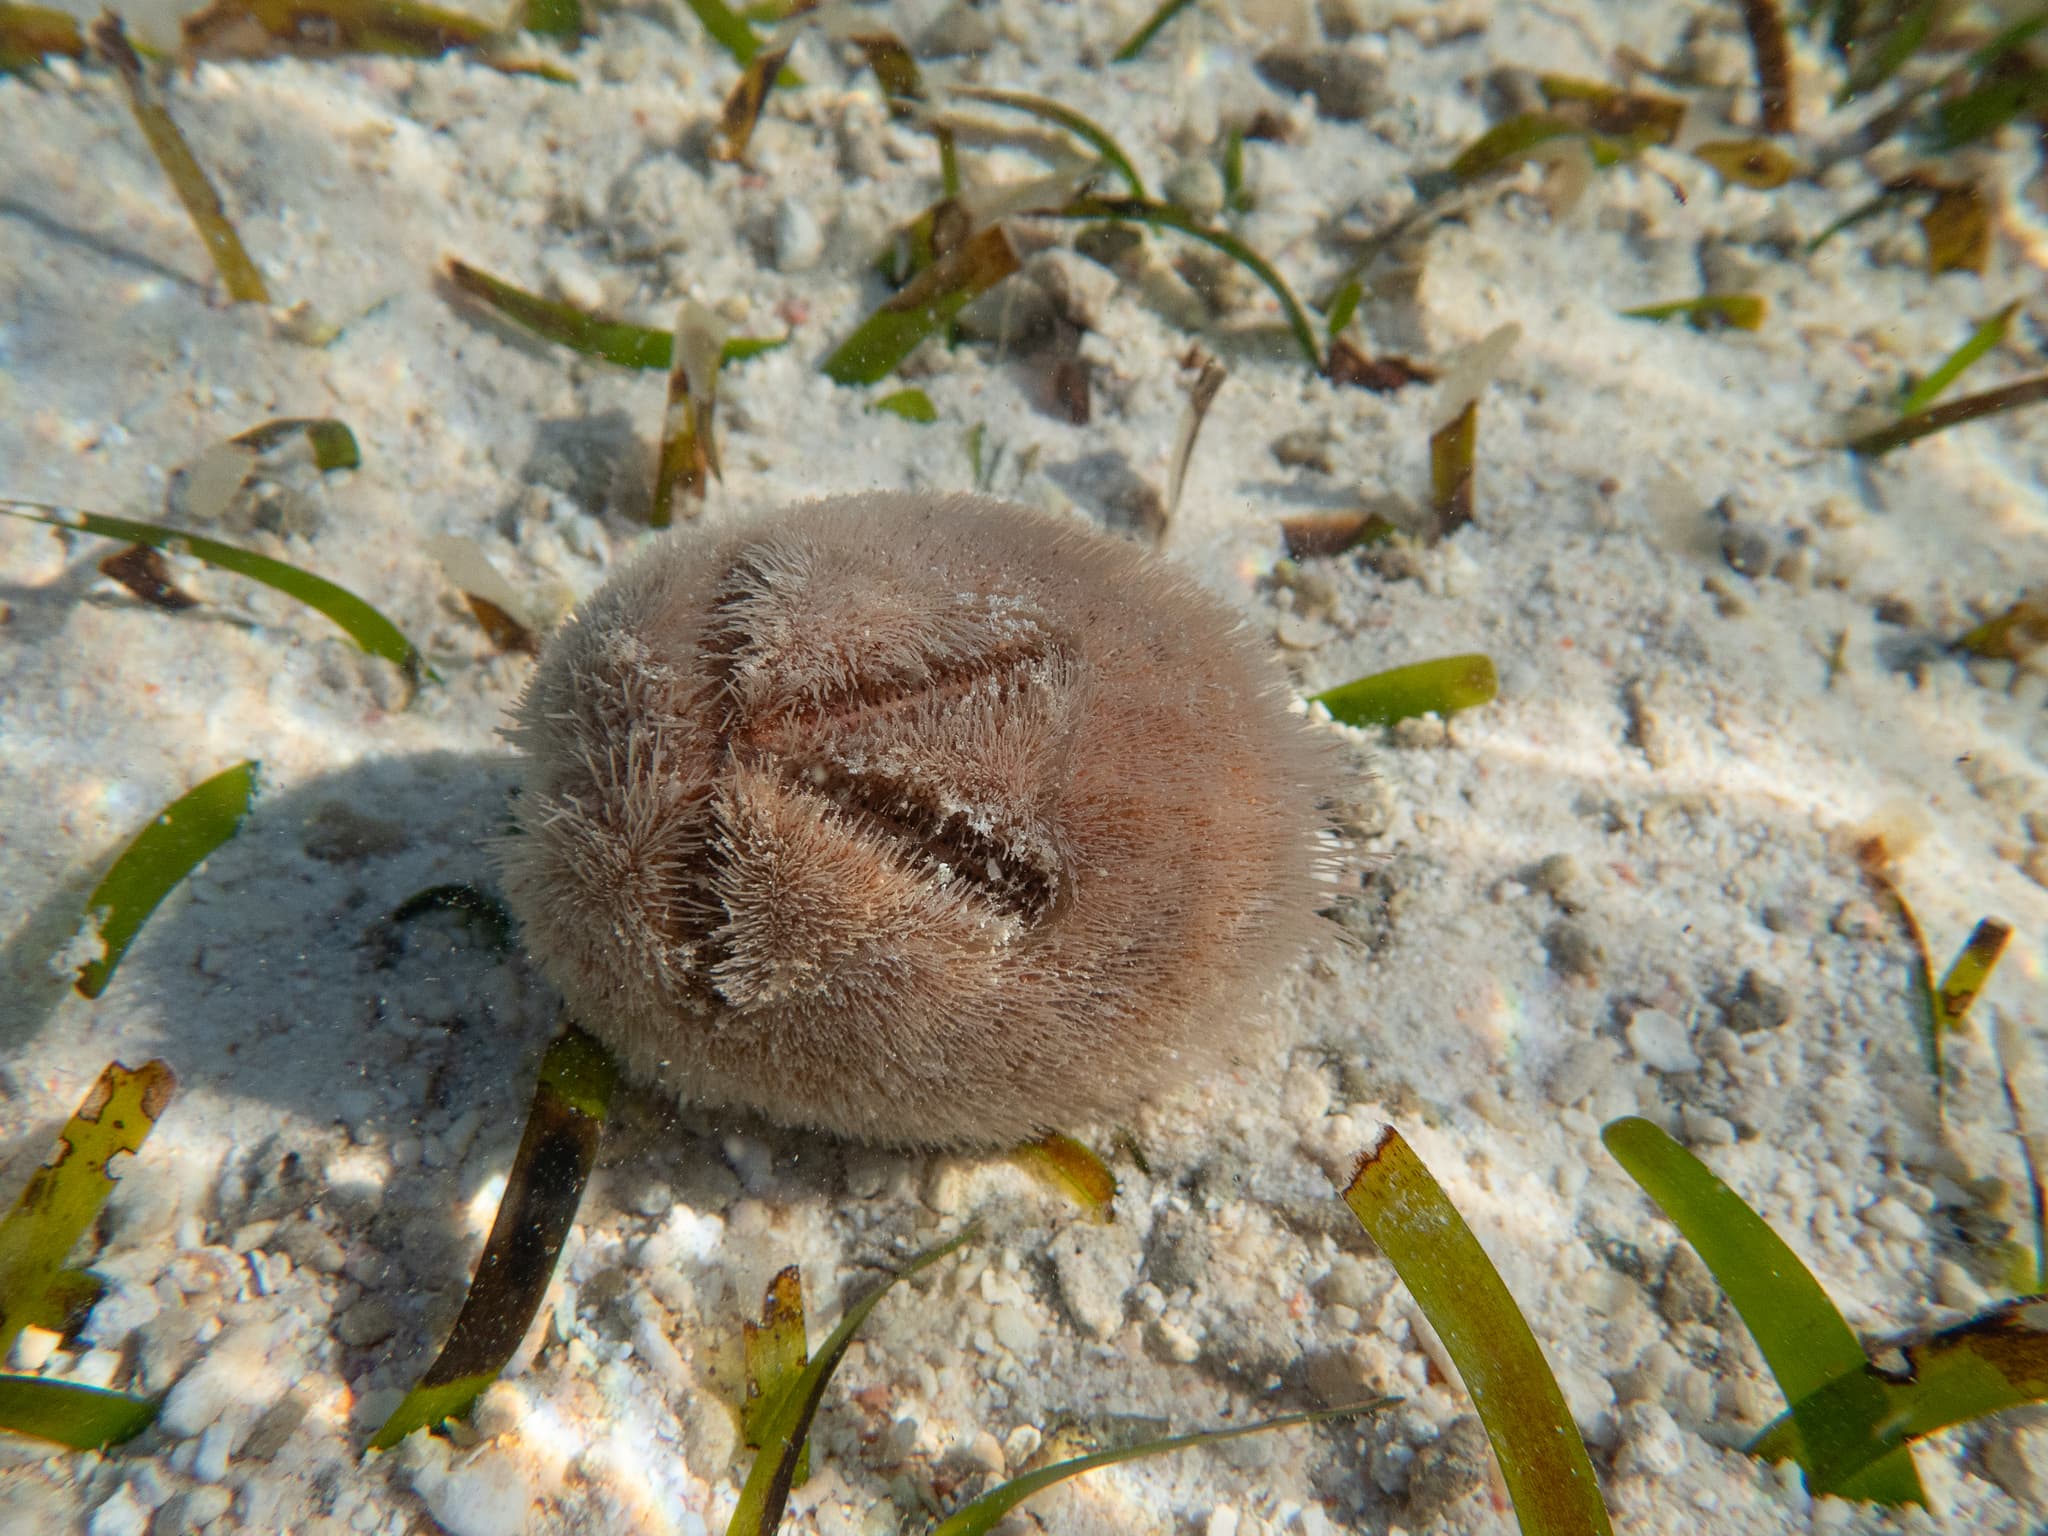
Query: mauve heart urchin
{"x": 919, "y": 819}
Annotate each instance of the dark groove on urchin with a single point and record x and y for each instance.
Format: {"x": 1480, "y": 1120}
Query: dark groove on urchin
{"x": 793, "y": 741}
{"x": 925, "y": 836}
{"x": 719, "y": 643}
{"x": 722, "y": 639}
{"x": 840, "y": 713}
{"x": 697, "y": 915}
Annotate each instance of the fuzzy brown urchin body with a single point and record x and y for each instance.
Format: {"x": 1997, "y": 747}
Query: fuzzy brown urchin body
{"x": 918, "y": 819}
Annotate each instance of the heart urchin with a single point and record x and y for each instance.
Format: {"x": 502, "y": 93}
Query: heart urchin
{"x": 915, "y": 818}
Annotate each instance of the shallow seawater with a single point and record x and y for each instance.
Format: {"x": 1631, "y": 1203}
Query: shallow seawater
{"x": 1523, "y": 332}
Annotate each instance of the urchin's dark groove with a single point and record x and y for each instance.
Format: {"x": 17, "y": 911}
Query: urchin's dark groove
{"x": 847, "y": 709}
{"x": 723, "y": 636}
{"x": 925, "y": 837}
{"x": 907, "y": 823}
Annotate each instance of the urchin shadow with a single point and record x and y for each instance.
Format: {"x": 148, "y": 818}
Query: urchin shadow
{"x": 278, "y": 974}
{"x": 374, "y": 1072}
{"x": 272, "y": 973}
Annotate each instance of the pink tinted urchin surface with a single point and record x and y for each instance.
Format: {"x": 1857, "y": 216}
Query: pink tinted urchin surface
{"x": 918, "y": 819}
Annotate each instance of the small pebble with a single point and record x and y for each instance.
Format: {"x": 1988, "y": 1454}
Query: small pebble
{"x": 367, "y": 1267}
{"x": 573, "y": 280}
{"x": 368, "y": 1322}
{"x": 1180, "y": 1251}
{"x": 1420, "y": 732}
{"x": 684, "y": 1238}
{"x": 1563, "y": 879}
{"x": 1349, "y": 1284}
{"x": 1304, "y": 1096}
{"x": 985, "y": 1451}
{"x": 1169, "y": 1340}
{"x": 152, "y": 1484}
{"x": 210, "y": 1460}
{"x": 1689, "y": 1293}
{"x": 1795, "y": 568}
{"x": 505, "y": 1405}
{"x": 32, "y": 1349}
{"x": 867, "y": 1174}
{"x": 488, "y": 1495}
{"x": 279, "y": 1423}
{"x": 1347, "y": 86}
{"x": 1660, "y": 1042}
{"x": 1093, "y": 1267}
{"x": 1573, "y": 950}
{"x": 898, "y": 1443}
{"x": 1015, "y": 1331}
{"x": 165, "y": 1347}
{"x": 1747, "y": 552}
{"x": 1729, "y": 603}
{"x": 311, "y": 1248}
{"x": 1303, "y": 448}
{"x": 122, "y": 1515}
{"x": 957, "y": 32}
{"x": 1895, "y": 1218}
{"x": 1022, "y": 1444}
{"x": 1197, "y": 186}
{"x": 1651, "y": 1445}
{"x": 1584, "y": 1066}
{"x": 338, "y": 833}
{"x": 752, "y": 1159}
{"x": 191, "y": 1511}
{"x": 1795, "y": 918}
{"x": 123, "y": 1309}
{"x": 97, "y": 1368}
{"x": 798, "y": 240}
{"x": 1298, "y": 633}
{"x": 653, "y": 1198}
{"x": 1759, "y": 1004}
{"x": 1955, "y": 1286}
{"x": 1704, "y": 1128}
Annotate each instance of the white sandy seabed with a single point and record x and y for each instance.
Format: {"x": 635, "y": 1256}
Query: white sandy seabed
{"x": 1624, "y": 887}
